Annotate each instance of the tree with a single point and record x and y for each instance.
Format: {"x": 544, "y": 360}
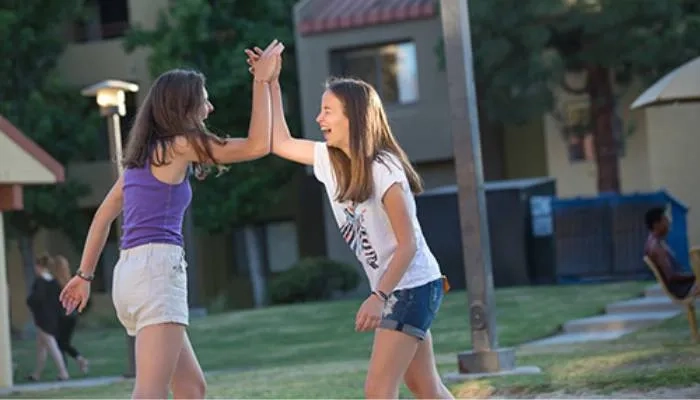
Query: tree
{"x": 613, "y": 43}
{"x": 50, "y": 113}
{"x": 210, "y": 36}
{"x": 524, "y": 49}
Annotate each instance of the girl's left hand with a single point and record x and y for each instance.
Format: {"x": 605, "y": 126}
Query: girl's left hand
{"x": 370, "y": 314}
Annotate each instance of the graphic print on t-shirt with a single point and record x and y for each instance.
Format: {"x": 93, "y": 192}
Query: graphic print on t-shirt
{"x": 357, "y": 238}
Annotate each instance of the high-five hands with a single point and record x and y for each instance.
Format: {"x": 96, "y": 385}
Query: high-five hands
{"x": 267, "y": 64}
{"x": 254, "y": 58}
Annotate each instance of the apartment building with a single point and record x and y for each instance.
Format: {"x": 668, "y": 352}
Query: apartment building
{"x": 391, "y": 44}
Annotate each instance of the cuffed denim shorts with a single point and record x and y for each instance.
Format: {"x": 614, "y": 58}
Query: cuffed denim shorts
{"x": 413, "y": 310}
{"x": 149, "y": 286}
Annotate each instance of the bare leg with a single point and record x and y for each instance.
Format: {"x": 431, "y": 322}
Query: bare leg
{"x": 422, "y": 377}
{"x": 158, "y": 348}
{"x": 51, "y": 345}
{"x": 188, "y": 380}
{"x": 392, "y": 352}
{"x": 41, "y": 353}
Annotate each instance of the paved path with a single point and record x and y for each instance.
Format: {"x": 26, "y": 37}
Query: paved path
{"x": 619, "y": 319}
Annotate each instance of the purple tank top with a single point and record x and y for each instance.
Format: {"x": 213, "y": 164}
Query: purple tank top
{"x": 153, "y": 210}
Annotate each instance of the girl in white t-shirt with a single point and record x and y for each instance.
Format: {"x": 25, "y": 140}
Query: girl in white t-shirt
{"x": 370, "y": 185}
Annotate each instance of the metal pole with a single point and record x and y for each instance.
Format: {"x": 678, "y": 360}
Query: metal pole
{"x": 115, "y": 154}
{"x": 485, "y": 357}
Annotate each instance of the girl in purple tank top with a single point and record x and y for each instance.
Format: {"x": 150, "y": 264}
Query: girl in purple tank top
{"x": 149, "y": 288}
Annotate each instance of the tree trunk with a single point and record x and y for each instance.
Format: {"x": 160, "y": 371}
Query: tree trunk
{"x": 606, "y": 148}
{"x": 253, "y": 247}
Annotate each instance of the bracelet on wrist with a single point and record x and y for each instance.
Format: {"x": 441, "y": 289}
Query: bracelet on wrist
{"x": 381, "y": 295}
{"x": 84, "y": 277}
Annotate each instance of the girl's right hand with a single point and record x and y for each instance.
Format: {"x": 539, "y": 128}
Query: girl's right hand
{"x": 75, "y": 295}
{"x": 266, "y": 66}
{"x": 253, "y": 57}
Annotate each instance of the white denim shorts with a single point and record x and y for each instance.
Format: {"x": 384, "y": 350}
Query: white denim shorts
{"x": 149, "y": 286}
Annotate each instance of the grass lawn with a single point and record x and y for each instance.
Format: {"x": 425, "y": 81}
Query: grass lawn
{"x": 311, "y": 350}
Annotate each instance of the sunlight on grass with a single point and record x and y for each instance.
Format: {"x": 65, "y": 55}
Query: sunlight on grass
{"x": 322, "y": 333}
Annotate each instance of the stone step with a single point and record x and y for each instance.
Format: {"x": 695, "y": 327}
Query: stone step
{"x": 643, "y": 304}
{"x": 654, "y": 291}
{"x": 617, "y": 322}
{"x": 578, "y": 337}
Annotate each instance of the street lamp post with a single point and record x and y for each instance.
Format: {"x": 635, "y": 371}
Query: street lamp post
{"x": 111, "y": 97}
{"x": 485, "y": 356}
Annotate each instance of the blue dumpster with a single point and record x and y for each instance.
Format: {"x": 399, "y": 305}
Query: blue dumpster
{"x": 602, "y": 237}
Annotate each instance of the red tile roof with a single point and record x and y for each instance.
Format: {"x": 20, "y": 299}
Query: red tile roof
{"x": 317, "y": 16}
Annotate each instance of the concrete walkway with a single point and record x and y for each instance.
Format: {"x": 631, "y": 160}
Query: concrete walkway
{"x": 89, "y": 382}
{"x": 619, "y": 319}
{"x": 54, "y": 385}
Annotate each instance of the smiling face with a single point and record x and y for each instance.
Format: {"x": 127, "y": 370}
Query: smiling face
{"x": 207, "y": 108}
{"x": 333, "y": 122}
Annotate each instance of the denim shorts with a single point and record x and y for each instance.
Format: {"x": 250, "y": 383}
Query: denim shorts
{"x": 413, "y": 310}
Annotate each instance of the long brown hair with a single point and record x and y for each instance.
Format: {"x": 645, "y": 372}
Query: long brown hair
{"x": 370, "y": 139}
{"x": 171, "y": 108}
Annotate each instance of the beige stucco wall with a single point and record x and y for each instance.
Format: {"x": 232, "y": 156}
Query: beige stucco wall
{"x": 580, "y": 178}
{"x": 83, "y": 64}
{"x": 420, "y": 127}
{"x": 16, "y": 166}
{"x": 673, "y": 156}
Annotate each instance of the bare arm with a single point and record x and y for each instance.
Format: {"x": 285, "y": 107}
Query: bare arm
{"x": 233, "y": 150}
{"x": 257, "y": 144}
{"x": 662, "y": 259}
{"x": 283, "y": 144}
{"x": 97, "y": 235}
{"x": 395, "y": 206}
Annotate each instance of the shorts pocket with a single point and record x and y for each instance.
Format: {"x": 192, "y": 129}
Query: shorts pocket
{"x": 178, "y": 274}
{"x": 436, "y": 294}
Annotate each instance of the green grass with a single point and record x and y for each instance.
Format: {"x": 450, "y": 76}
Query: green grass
{"x": 311, "y": 350}
{"x": 661, "y": 357}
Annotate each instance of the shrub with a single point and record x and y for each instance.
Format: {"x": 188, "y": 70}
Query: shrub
{"x": 312, "y": 279}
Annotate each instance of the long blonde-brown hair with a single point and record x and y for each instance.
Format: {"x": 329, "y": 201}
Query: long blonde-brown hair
{"x": 60, "y": 269}
{"x": 370, "y": 139}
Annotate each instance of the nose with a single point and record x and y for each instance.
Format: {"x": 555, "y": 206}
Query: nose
{"x": 318, "y": 118}
{"x": 211, "y": 108}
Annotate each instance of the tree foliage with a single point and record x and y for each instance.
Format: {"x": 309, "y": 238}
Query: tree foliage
{"x": 524, "y": 48}
{"x": 210, "y": 36}
{"x": 48, "y": 111}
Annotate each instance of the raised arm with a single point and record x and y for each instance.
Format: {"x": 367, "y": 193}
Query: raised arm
{"x": 258, "y": 141}
{"x": 257, "y": 144}
{"x": 283, "y": 144}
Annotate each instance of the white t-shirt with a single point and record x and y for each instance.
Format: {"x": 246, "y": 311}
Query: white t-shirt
{"x": 366, "y": 227}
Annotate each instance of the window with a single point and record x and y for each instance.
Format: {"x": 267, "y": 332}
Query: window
{"x": 392, "y": 69}
{"x": 580, "y": 138}
{"x": 103, "y": 19}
